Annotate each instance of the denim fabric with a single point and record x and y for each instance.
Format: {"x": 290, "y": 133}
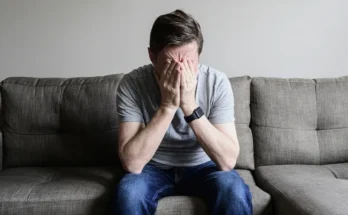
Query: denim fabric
{"x": 223, "y": 192}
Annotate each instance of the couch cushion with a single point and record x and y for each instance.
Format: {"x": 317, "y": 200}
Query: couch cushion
{"x": 332, "y": 106}
{"x": 60, "y": 122}
{"x": 304, "y": 189}
{"x": 241, "y": 93}
{"x": 299, "y": 121}
{"x": 1, "y": 142}
{"x": 181, "y": 205}
{"x": 340, "y": 170}
{"x": 44, "y": 191}
{"x": 192, "y": 205}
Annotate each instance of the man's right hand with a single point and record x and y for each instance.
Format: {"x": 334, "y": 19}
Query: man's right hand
{"x": 169, "y": 83}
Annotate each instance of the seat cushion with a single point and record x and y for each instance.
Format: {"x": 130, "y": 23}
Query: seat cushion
{"x": 185, "y": 205}
{"x": 304, "y": 189}
{"x": 42, "y": 191}
{"x": 340, "y": 170}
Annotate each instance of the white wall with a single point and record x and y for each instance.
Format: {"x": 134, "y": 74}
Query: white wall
{"x": 66, "y": 38}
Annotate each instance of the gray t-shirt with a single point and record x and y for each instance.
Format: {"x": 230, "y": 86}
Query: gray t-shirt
{"x": 138, "y": 98}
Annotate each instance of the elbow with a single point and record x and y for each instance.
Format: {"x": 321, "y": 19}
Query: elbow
{"x": 132, "y": 168}
{"x": 228, "y": 165}
{"x": 132, "y": 165}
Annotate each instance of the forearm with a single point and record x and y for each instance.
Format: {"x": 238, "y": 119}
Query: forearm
{"x": 141, "y": 148}
{"x": 219, "y": 147}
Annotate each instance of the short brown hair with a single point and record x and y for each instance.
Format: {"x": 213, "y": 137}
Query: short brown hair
{"x": 175, "y": 28}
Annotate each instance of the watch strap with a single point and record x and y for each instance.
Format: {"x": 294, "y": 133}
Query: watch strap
{"x": 197, "y": 113}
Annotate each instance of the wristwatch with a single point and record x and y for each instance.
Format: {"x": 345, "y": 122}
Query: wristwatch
{"x": 197, "y": 113}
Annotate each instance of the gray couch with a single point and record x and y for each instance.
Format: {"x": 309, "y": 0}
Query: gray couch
{"x": 58, "y": 146}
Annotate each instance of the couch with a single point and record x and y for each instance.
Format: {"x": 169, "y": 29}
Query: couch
{"x": 58, "y": 146}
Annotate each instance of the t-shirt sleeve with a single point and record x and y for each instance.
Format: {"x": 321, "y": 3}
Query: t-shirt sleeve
{"x": 128, "y": 102}
{"x": 222, "y": 110}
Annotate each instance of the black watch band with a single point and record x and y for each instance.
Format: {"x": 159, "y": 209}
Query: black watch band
{"x": 197, "y": 113}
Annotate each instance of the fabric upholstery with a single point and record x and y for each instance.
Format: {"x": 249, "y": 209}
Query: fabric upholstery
{"x": 59, "y": 191}
{"x": 332, "y": 106}
{"x": 340, "y": 170}
{"x": 1, "y": 122}
{"x": 299, "y": 121}
{"x": 304, "y": 189}
{"x": 60, "y": 122}
{"x": 241, "y": 93}
{"x": 192, "y": 205}
{"x": 181, "y": 205}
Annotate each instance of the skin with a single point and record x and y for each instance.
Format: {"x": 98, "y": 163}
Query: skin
{"x": 176, "y": 69}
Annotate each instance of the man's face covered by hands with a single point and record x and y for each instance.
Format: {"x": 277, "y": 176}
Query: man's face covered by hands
{"x": 178, "y": 54}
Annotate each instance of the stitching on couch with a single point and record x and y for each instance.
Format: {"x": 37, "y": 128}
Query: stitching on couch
{"x": 332, "y": 171}
{"x": 54, "y": 132}
{"x": 316, "y": 109}
{"x": 266, "y": 126}
{"x": 36, "y": 185}
{"x": 60, "y": 85}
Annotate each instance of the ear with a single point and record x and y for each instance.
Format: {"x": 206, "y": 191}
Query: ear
{"x": 152, "y": 56}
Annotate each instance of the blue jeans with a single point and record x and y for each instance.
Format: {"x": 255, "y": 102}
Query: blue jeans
{"x": 223, "y": 192}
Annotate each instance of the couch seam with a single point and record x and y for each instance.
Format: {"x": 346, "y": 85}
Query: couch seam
{"x": 36, "y": 185}
{"x": 55, "y": 132}
{"x": 266, "y": 126}
{"x": 329, "y": 168}
{"x": 277, "y": 190}
{"x": 60, "y": 85}
{"x": 317, "y": 115}
{"x": 46, "y": 201}
{"x": 292, "y": 203}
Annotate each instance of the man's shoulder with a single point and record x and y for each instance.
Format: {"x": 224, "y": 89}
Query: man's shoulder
{"x": 139, "y": 80}
{"x": 143, "y": 72}
{"x": 211, "y": 74}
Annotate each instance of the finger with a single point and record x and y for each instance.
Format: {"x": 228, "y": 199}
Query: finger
{"x": 183, "y": 83}
{"x": 190, "y": 64}
{"x": 170, "y": 70}
{"x": 176, "y": 70}
{"x": 177, "y": 80}
{"x": 188, "y": 69}
{"x": 166, "y": 67}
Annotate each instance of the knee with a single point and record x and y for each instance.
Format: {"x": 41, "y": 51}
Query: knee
{"x": 232, "y": 186}
{"x": 132, "y": 188}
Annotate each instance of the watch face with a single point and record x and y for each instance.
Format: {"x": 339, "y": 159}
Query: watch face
{"x": 199, "y": 112}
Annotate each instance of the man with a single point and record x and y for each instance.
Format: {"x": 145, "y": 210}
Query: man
{"x": 177, "y": 134}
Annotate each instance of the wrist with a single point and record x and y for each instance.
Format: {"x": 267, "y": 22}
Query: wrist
{"x": 188, "y": 109}
{"x": 167, "y": 110}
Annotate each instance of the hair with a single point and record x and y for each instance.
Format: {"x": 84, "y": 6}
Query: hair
{"x": 176, "y": 28}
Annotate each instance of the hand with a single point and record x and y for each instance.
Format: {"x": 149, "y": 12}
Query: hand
{"x": 188, "y": 85}
{"x": 169, "y": 84}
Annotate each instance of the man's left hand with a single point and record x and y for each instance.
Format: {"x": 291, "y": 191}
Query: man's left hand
{"x": 188, "y": 87}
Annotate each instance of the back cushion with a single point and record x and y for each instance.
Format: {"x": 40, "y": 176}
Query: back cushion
{"x": 60, "y": 122}
{"x": 332, "y": 106}
{"x": 1, "y": 123}
{"x": 299, "y": 121}
{"x": 241, "y": 92}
